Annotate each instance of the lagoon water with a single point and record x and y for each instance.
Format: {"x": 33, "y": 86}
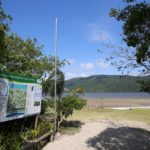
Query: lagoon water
{"x": 137, "y": 95}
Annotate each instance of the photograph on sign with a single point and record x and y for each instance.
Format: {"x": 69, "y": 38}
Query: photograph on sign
{"x": 16, "y": 99}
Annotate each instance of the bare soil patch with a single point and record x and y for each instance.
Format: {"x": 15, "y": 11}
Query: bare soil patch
{"x": 105, "y": 135}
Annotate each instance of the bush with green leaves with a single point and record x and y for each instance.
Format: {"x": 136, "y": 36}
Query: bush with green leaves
{"x": 10, "y": 141}
{"x": 13, "y": 136}
{"x": 70, "y": 103}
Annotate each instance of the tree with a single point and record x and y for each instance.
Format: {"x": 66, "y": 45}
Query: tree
{"x": 4, "y": 28}
{"x": 49, "y": 89}
{"x": 136, "y": 23}
{"x": 25, "y": 57}
{"x": 70, "y": 103}
{"x": 136, "y": 34}
{"x": 22, "y": 56}
{"x": 49, "y": 84}
{"x": 18, "y": 55}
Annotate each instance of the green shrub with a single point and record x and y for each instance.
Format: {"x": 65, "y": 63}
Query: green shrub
{"x": 12, "y": 136}
{"x": 69, "y": 103}
{"x": 10, "y": 141}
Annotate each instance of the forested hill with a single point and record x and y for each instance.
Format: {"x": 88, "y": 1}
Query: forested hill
{"x": 106, "y": 83}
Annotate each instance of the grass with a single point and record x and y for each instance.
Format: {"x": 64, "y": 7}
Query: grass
{"x": 141, "y": 115}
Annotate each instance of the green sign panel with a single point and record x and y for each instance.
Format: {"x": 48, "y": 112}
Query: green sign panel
{"x": 19, "y": 78}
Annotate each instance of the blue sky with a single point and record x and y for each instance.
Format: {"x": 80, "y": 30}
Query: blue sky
{"x": 84, "y": 26}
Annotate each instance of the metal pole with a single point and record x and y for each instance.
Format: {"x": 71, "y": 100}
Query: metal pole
{"x": 0, "y": 3}
{"x": 55, "y": 88}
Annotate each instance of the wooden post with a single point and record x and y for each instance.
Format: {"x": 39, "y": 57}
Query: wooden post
{"x": 23, "y": 125}
{"x": 36, "y": 121}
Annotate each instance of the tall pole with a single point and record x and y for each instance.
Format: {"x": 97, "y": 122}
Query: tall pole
{"x": 0, "y": 3}
{"x": 55, "y": 88}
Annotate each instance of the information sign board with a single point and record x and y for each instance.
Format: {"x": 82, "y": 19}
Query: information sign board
{"x": 20, "y": 96}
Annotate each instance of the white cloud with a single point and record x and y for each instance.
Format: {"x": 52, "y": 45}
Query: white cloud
{"x": 87, "y": 66}
{"x": 96, "y": 34}
{"x": 102, "y": 64}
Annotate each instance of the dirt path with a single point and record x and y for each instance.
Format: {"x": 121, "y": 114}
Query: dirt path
{"x": 101, "y": 135}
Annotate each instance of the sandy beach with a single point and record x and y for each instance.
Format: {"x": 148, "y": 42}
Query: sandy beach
{"x": 124, "y": 102}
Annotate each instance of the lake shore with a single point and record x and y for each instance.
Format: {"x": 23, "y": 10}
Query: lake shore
{"x": 121, "y": 102}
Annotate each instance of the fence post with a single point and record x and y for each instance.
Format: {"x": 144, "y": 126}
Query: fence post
{"x": 36, "y": 121}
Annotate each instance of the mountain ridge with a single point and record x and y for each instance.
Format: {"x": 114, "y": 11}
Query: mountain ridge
{"x": 107, "y": 83}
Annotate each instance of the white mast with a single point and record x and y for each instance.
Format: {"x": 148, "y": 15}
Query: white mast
{"x": 55, "y": 87}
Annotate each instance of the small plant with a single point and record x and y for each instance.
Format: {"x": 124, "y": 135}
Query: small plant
{"x": 10, "y": 141}
{"x": 31, "y": 134}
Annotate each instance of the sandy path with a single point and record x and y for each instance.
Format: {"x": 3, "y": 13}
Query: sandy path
{"x": 89, "y": 136}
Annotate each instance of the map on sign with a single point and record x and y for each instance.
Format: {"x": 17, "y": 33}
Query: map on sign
{"x": 19, "y": 96}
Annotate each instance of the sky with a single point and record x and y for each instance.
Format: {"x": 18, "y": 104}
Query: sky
{"x": 84, "y": 28}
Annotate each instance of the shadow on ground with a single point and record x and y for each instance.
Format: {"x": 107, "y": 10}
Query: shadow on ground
{"x": 123, "y": 138}
{"x": 72, "y": 123}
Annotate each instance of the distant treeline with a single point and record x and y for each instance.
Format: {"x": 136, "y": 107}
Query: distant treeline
{"x": 107, "y": 83}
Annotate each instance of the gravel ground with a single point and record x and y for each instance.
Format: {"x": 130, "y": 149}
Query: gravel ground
{"x": 105, "y": 135}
